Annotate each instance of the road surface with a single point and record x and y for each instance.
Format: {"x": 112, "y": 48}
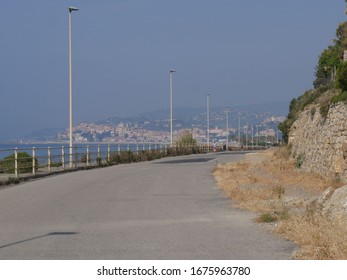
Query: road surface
{"x": 165, "y": 209}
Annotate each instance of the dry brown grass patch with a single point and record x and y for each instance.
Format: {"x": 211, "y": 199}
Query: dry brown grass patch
{"x": 281, "y": 193}
{"x": 317, "y": 237}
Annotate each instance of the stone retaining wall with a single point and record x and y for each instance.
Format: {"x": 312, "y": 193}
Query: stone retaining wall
{"x": 321, "y": 143}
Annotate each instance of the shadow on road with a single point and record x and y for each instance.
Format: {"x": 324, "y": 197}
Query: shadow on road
{"x": 57, "y": 233}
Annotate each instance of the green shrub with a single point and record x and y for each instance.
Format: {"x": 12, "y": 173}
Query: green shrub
{"x": 324, "y": 110}
{"x": 340, "y": 97}
{"x": 300, "y": 160}
{"x": 24, "y": 163}
{"x": 99, "y": 161}
{"x": 12, "y": 180}
{"x": 56, "y": 164}
{"x": 84, "y": 159}
{"x": 127, "y": 157}
{"x": 341, "y": 77}
{"x": 313, "y": 112}
{"x": 267, "y": 218}
{"x": 186, "y": 139}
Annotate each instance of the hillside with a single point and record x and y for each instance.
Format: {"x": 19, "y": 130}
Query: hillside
{"x": 330, "y": 84}
{"x": 265, "y": 116}
{"x": 316, "y": 126}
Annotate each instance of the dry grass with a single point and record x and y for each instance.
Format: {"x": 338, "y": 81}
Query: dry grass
{"x": 269, "y": 184}
{"x": 318, "y": 238}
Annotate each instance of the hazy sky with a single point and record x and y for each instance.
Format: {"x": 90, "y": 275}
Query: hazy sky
{"x": 240, "y": 51}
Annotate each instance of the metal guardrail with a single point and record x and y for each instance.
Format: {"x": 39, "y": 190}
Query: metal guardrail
{"x": 34, "y": 161}
{"x": 22, "y": 163}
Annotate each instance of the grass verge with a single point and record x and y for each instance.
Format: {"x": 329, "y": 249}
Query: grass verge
{"x": 269, "y": 184}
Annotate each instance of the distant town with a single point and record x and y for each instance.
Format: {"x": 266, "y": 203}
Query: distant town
{"x": 155, "y": 127}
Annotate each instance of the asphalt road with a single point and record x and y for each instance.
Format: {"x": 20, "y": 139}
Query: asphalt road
{"x": 166, "y": 209}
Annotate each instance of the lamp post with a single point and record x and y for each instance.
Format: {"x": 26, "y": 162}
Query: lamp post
{"x": 246, "y": 134}
{"x": 208, "y": 122}
{"x": 171, "y": 71}
{"x": 71, "y": 9}
{"x": 239, "y": 130}
{"x": 252, "y": 137}
{"x": 227, "y": 123}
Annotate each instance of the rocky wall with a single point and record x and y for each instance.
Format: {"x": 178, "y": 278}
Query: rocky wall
{"x": 320, "y": 144}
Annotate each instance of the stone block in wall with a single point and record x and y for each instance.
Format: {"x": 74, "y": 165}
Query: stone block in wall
{"x": 335, "y": 206}
{"x": 344, "y": 149}
{"x": 339, "y": 165}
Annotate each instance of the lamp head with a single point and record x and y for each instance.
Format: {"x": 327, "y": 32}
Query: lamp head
{"x": 72, "y": 9}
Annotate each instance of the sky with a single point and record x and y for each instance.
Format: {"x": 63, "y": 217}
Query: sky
{"x": 241, "y": 52}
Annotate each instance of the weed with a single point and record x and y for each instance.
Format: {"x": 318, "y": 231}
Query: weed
{"x": 342, "y": 97}
{"x": 12, "y": 180}
{"x": 281, "y": 192}
{"x": 313, "y": 112}
{"x": 300, "y": 160}
{"x": 267, "y": 218}
{"x": 278, "y": 191}
{"x": 99, "y": 161}
{"x": 56, "y": 164}
{"x": 283, "y": 152}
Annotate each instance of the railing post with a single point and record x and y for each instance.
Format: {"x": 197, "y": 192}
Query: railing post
{"x": 62, "y": 157}
{"x": 149, "y": 147}
{"x": 128, "y": 148}
{"x": 99, "y": 157}
{"x": 49, "y": 159}
{"x": 137, "y": 148}
{"x": 118, "y": 148}
{"x": 34, "y": 160}
{"x": 76, "y": 156}
{"x": 16, "y": 162}
{"x": 88, "y": 157}
{"x": 108, "y": 153}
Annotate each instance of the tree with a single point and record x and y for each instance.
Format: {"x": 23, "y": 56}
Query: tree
{"x": 341, "y": 77}
{"x": 329, "y": 60}
{"x": 186, "y": 139}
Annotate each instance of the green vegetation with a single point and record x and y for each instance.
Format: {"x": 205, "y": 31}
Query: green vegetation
{"x": 341, "y": 77}
{"x": 186, "y": 140}
{"x": 299, "y": 160}
{"x": 56, "y": 164}
{"x": 330, "y": 84}
{"x": 24, "y": 163}
{"x": 267, "y": 218}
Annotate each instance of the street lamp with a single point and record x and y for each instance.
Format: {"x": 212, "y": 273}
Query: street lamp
{"x": 239, "y": 130}
{"x": 71, "y": 9}
{"x": 252, "y": 137}
{"x": 246, "y": 134}
{"x": 208, "y": 122}
{"x": 227, "y": 122}
{"x": 171, "y": 71}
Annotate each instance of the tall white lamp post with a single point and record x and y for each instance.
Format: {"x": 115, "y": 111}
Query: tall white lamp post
{"x": 227, "y": 122}
{"x": 171, "y": 72}
{"x": 239, "y": 130}
{"x": 208, "y": 122}
{"x": 71, "y": 9}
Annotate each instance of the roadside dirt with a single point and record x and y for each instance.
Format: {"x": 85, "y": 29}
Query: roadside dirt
{"x": 285, "y": 198}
